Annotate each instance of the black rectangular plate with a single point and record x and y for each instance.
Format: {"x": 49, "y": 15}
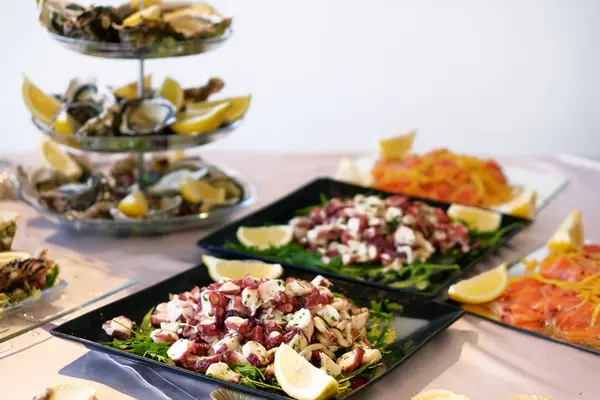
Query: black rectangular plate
{"x": 494, "y": 319}
{"x": 436, "y": 317}
{"x": 284, "y": 209}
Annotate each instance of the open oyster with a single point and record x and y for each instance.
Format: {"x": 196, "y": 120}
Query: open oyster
{"x": 147, "y": 116}
{"x": 88, "y": 90}
{"x": 78, "y": 196}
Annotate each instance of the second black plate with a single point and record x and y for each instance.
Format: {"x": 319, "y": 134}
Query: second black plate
{"x": 416, "y": 321}
{"x": 284, "y": 209}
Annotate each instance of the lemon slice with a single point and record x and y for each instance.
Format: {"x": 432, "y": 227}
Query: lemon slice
{"x": 569, "y": 235}
{"x": 55, "y": 158}
{"x": 237, "y": 107}
{"x": 265, "y": 237}
{"x": 172, "y": 91}
{"x": 8, "y": 256}
{"x": 299, "y": 378}
{"x": 151, "y": 13}
{"x": 528, "y": 397}
{"x": 200, "y": 122}
{"x": 43, "y": 107}
{"x": 482, "y": 288}
{"x": 440, "y": 394}
{"x": 395, "y": 148}
{"x": 220, "y": 269}
{"x": 134, "y": 205}
{"x": 524, "y": 205}
{"x": 348, "y": 171}
{"x": 476, "y": 218}
{"x": 130, "y": 90}
{"x": 194, "y": 191}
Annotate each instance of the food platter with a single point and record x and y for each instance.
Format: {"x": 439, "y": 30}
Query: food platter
{"x": 122, "y": 51}
{"x": 127, "y": 227}
{"x": 417, "y": 320}
{"x": 546, "y": 184}
{"x": 519, "y": 269}
{"x": 136, "y": 144}
{"x": 438, "y": 270}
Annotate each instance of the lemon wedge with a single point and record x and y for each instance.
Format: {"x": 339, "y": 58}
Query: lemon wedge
{"x": 194, "y": 191}
{"x": 396, "y": 147}
{"x": 348, "y": 171}
{"x": 524, "y": 205}
{"x": 476, "y": 218}
{"x": 569, "y": 235}
{"x": 528, "y": 397}
{"x": 172, "y": 91}
{"x": 135, "y": 4}
{"x": 130, "y": 90}
{"x": 151, "y": 13}
{"x": 220, "y": 269}
{"x": 200, "y": 122}
{"x": 299, "y": 378}
{"x": 440, "y": 394}
{"x": 134, "y": 205}
{"x": 55, "y": 158}
{"x": 482, "y": 288}
{"x": 265, "y": 237}
{"x": 43, "y": 107}
{"x": 237, "y": 107}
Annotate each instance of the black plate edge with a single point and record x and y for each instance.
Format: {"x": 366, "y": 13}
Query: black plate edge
{"x": 521, "y": 330}
{"x": 219, "y": 249}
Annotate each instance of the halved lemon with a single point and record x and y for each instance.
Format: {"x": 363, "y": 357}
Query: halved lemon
{"x": 172, "y": 91}
{"x": 299, "y": 378}
{"x": 528, "y": 397}
{"x": 43, "y": 107}
{"x": 348, "y": 171}
{"x": 237, "y": 107}
{"x": 440, "y": 394}
{"x": 54, "y": 157}
{"x": 476, "y": 218}
{"x": 200, "y": 122}
{"x": 569, "y": 235}
{"x": 220, "y": 269}
{"x": 130, "y": 90}
{"x": 524, "y": 205}
{"x": 482, "y": 288}
{"x": 396, "y": 147}
{"x": 134, "y": 205}
{"x": 194, "y": 191}
{"x": 265, "y": 237}
{"x": 152, "y": 13}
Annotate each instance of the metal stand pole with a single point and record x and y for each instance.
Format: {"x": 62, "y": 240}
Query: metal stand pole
{"x": 140, "y": 88}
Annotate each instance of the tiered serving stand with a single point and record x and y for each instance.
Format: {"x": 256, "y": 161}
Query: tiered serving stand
{"x": 141, "y": 144}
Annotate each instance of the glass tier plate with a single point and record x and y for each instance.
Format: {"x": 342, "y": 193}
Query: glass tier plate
{"x": 141, "y": 227}
{"x": 127, "y": 51}
{"x": 136, "y": 144}
{"x": 82, "y": 281}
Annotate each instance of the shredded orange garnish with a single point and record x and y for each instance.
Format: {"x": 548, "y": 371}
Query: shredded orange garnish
{"x": 445, "y": 176}
{"x": 560, "y": 297}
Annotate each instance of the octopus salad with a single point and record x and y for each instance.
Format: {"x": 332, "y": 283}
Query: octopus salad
{"x": 218, "y": 328}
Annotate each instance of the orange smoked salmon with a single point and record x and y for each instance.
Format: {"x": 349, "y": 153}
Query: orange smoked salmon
{"x": 560, "y": 298}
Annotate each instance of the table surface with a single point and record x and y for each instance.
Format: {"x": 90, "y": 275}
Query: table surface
{"x": 474, "y": 357}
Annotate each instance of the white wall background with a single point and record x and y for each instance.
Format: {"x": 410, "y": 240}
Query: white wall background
{"x": 495, "y": 76}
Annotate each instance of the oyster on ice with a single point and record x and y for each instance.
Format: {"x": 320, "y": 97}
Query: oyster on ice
{"x": 147, "y": 116}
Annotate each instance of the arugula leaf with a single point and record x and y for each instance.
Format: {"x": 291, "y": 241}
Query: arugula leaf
{"x": 146, "y": 325}
{"x": 143, "y": 345}
{"x": 52, "y": 275}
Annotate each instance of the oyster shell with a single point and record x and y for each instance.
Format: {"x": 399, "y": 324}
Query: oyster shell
{"x": 68, "y": 391}
{"x": 41, "y": 179}
{"x": 197, "y": 20}
{"x": 197, "y": 95}
{"x": 78, "y": 196}
{"x": 147, "y": 34}
{"x": 225, "y": 394}
{"x": 187, "y": 163}
{"x": 87, "y": 89}
{"x": 87, "y": 23}
{"x": 171, "y": 182}
{"x": 147, "y": 116}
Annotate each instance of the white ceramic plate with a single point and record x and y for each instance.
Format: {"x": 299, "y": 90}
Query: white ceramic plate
{"x": 547, "y": 184}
